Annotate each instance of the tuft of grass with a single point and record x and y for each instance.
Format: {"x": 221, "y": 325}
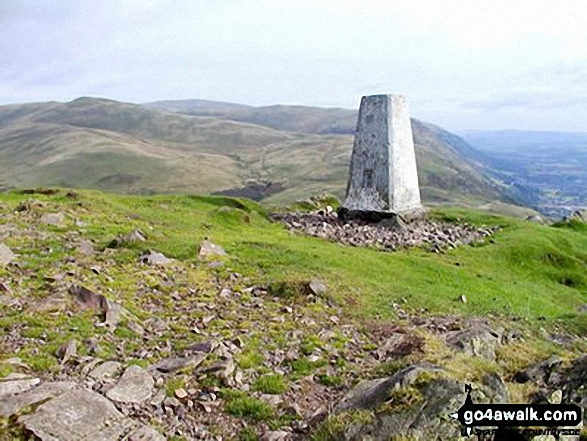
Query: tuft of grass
{"x": 329, "y": 380}
{"x": 249, "y": 359}
{"x": 270, "y": 384}
{"x": 302, "y": 367}
{"x": 248, "y": 434}
{"x": 173, "y": 384}
{"x": 242, "y": 405}
{"x": 335, "y": 425}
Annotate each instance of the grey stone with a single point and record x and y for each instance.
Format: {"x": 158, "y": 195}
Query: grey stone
{"x": 56, "y": 219}
{"x": 146, "y": 433}
{"x": 478, "y": 341}
{"x": 6, "y": 255}
{"x": 221, "y": 369}
{"x": 176, "y": 363}
{"x": 539, "y": 372}
{"x": 85, "y": 247}
{"x": 317, "y": 287}
{"x": 105, "y": 371}
{"x": 208, "y": 249}
{"x": 8, "y": 300}
{"x": 277, "y": 435}
{"x": 536, "y": 219}
{"x": 135, "y": 386}
{"x": 67, "y": 351}
{"x": 11, "y": 405}
{"x": 383, "y": 173}
{"x": 154, "y": 258}
{"x": 88, "y": 299}
{"x": 83, "y": 415}
{"x": 17, "y": 383}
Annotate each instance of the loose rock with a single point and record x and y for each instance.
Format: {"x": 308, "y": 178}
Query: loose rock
{"x": 154, "y": 258}
{"x": 135, "y": 386}
{"x": 208, "y": 249}
{"x": 6, "y": 255}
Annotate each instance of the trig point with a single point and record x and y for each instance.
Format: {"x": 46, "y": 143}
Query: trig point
{"x": 383, "y": 178}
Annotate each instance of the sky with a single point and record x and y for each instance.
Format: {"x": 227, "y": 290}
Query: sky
{"x": 463, "y": 64}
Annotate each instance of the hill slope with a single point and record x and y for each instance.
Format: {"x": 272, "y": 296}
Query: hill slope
{"x": 98, "y": 143}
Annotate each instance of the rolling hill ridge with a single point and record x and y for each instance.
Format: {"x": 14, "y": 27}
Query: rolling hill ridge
{"x": 205, "y": 147}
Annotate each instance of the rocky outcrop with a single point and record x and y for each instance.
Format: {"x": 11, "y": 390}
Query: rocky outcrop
{"x": 414, "y": 403}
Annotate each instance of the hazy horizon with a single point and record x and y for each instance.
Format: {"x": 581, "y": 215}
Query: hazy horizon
{"x": 497, "y": 66}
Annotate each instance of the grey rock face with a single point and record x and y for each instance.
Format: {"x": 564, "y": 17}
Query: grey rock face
{"x": 83, "y": 415}
{"x": 135, "y": 386}
{"x": 6, "y": 255}
{"x": 371, "y": 393}
{"x": 383, "y": 174}
{"x": 128, "y": 239}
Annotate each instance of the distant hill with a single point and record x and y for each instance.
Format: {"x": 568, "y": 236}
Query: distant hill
{"x": 105, "y": 144}
{"x": 301, "y": 119}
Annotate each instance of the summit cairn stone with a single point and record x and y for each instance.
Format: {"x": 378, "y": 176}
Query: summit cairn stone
{"x": 383, "y": 180}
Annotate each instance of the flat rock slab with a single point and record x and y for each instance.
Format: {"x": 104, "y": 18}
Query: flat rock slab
{"x": 135, "y": 386}
{"x": 176, "y": 363}
{"x": 16, "y": 383}
{"x": 6, "y": 255}
{"x": 10, "y": 405}
{"x": 84, "y": 415}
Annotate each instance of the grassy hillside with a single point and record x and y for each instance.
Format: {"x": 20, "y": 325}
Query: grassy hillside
{"x": 528, "y": 279}
{"x": 104, "y": 144}
{"x": 528, "y": 271}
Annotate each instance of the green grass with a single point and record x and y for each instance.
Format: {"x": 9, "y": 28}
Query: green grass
{"x": 530, "y": 271}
